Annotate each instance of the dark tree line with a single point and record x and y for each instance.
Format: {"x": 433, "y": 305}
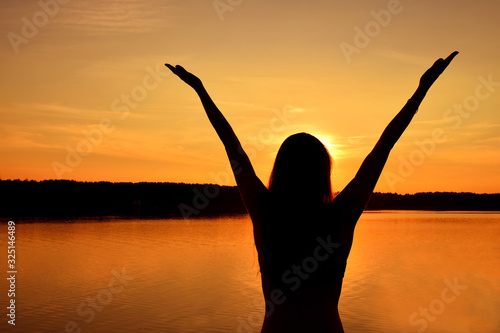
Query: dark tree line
{"x": 64, "y": 199}
{"x": 462, "y": 201}
{"x": 55, "y": 198}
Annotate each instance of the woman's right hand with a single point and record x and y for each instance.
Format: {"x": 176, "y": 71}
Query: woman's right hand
{"x": 191, "y": 79}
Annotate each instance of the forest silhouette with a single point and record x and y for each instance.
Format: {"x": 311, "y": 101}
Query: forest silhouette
{"x": 68, "y": 199}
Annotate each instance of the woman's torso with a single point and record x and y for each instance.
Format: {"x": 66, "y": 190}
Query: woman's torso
{"x": 302, "y": 256}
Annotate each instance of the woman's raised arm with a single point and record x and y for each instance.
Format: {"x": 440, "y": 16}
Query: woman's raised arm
{"x": 249, "y": 185}
{"x": 356, "y": 194}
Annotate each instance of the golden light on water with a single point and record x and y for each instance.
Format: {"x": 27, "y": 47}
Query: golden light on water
{"x": 207, "y": 271}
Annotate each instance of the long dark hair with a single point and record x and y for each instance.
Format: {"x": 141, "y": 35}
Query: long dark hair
{"x": 302, "y": 170}
{"x": 300, "y": 188}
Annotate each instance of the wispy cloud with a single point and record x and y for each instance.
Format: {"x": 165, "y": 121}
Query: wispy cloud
{"x": 41, "y": 113}
{"x": 23, "y": 139}
{"x": 245, "y": 105}
{"x": 406, "y": 58}
{"x": 113, "y": 17}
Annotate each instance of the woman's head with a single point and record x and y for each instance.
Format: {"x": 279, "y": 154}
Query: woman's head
{"x": 302, "y": 170}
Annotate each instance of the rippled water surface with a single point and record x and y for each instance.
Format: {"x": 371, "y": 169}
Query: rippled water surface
{"x": 407, "y": 272}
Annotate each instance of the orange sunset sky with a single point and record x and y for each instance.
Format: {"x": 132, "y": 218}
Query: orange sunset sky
{"x": 84, "y": 94}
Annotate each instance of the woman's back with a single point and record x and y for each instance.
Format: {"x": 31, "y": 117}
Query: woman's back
{"x": 302, "y": 255}
{"x": 303, "y": 310}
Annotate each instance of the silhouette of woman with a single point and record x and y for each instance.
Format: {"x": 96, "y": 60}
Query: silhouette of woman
{"x": 302, "y": 234}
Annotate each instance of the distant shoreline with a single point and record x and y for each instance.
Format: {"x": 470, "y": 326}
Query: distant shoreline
{"x": 72, "y": 199}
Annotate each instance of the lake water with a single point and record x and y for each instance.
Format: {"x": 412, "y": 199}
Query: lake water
{"x": 407, "y": 272}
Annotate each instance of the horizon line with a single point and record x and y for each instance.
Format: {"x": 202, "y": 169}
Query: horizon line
{"x": 202, "y": 184}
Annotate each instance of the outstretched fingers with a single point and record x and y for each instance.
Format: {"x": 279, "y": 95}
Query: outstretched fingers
{"x": 451, "y": 56}
{"x": 176, "y": 70}
{"x": 441, "y": 64}
{"x": 431, "y": 75}
{"x": 184, "y": 75}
